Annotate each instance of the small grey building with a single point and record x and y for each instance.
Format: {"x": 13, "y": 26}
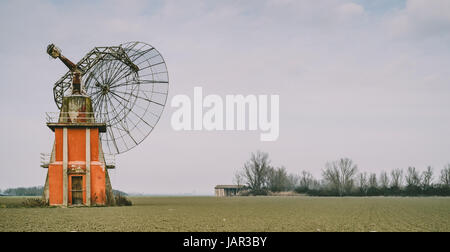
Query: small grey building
{"x": 227, "y": 190}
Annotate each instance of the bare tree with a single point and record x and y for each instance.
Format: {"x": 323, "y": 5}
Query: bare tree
{"x": 445, "y": 176}
{"x": 348, "y": 171}
{"x": 277, "y": 179}
{"x": 332, "y": 176}
{"x": 384, "y": 180}
{"x": 306, "y": 180}
{"x": 373, "y": 183}
{"x": 362, "y": 183}
{"x": 256, "y": 170}
{"x": 293, "y": 181}
{"x": 239, "y": 178}
{"x": 339, "y": 175}
{"x": 412, "y": 177}
{"x": 396, "y": 178}
{"x": 427, "y": 178}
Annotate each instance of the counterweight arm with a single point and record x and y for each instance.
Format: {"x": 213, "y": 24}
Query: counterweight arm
{"x": 55, "y": 52}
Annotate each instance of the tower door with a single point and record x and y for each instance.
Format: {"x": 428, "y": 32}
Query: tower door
{"x": 77, "y": 190}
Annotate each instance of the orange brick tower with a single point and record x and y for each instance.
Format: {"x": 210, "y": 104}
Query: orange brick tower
{"x": 77, "y": 172}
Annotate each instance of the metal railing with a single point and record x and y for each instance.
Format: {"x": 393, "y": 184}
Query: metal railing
{"x": 110, "y": 160}
{"x": 73, "y": 117}
{"x": 45, "y": 159}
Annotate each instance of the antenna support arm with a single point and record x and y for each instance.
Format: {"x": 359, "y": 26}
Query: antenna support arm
{"x": 55, "y": 52}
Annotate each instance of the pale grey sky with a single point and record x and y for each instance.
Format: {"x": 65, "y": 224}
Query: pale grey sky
{"x": 367, "y": 80}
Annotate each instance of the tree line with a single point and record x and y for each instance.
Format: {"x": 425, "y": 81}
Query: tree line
{"x": 340, "y": 178}
{"x": 24, "y": 191}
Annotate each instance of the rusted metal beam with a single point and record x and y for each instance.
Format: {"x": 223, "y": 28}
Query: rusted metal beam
{"x": 63, "y": 85}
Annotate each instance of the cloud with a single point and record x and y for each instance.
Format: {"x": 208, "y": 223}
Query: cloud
{"x": 421, "y": 19}
{"x": 350, "y": 9}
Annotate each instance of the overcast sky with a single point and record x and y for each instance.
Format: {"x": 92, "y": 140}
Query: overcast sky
{"x": 368, "y": 80}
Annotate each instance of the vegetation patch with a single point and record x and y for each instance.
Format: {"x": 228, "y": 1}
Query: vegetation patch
{"x": 34, "y": 202}
{"x": 122, "y": 200}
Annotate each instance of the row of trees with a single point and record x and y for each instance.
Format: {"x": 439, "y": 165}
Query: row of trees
{"x": 24, "y": 191}
{"x": 341, "y": 178}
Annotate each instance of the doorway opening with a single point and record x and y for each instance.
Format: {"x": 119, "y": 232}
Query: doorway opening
{"x": 77, "y": 190}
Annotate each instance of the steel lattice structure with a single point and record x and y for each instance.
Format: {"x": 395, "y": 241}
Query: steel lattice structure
{"x": 128, "y": 85}
{"x": 63, "y": 85}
